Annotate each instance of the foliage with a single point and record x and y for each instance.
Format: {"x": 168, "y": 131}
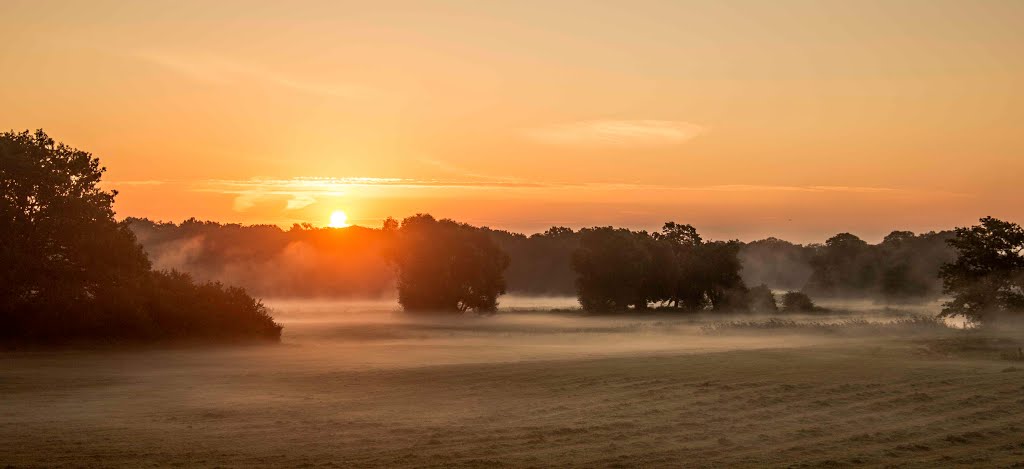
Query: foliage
{"x": 903, "y": 266}
{"x": 797, "y": 302}
{"x": 761, "y": 299}
{"x": 59, "y": 242}
{"x": 619, "y": 269}
{"x": 444, "y": 266}
{"x": 349, "y": 262}
{"x": 775, "y": 262}
{"x": 303, "y": 261}
{"x": 70, "y": 271}
{"x": 612, "y": 264}
{"x": 183, "y": 309}
{"x": 987, "y": 278}
{"x": 541, "y": 264}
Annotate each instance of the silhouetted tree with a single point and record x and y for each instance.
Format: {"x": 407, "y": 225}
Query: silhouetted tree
{"x": 541, "y": 264}
{"x": 903, "y": 266}
{"x": 719, "y": 275}
{"x": 777, "y": 263}
{"x": 987, "y": 277}
{"x": 841, "y": 265}
{"x": 69, "y": 270}
{"x": 444, "y": 266}
{"x": 618, "y": 269}
{"x": 610, "y": 264}
{"x": 761, "y": 299}
{"x": 59, "y": 242}
{"x": 797, "y": 302}
{"x": 304, "y": 261}
{"x": 688, "y": 284}
{"x": 908, "y": 264}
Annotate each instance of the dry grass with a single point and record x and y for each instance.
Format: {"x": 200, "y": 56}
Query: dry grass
{"x": 514, "y": 399}
{"x": 914, "y": 324}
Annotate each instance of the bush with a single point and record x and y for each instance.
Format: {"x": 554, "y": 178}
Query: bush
{"x": 183, "y": 309}
{"x": 797, "y": 302}
{"x": 762, "y": 300}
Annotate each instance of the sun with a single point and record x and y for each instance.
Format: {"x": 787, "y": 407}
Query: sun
{"x": 338, "y": 219}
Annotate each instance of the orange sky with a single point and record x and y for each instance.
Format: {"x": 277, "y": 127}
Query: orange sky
{"x": 797, "y": 119}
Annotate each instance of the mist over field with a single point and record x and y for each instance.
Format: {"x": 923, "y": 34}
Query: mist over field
{"x": 359, "y": 383}
{"x": 511, "y": 234}
{"x": 402, "y": 347}
{"x": 310, "y": 262}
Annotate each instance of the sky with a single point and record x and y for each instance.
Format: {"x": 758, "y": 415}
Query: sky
{"x": 747, "y": 119}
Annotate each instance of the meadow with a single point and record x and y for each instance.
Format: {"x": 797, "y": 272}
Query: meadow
{"x": 362, "y": 385}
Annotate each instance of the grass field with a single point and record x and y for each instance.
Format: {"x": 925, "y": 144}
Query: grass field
{"x": 519, "y": 390}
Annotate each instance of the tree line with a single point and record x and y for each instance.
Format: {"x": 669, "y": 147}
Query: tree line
{"x": 70, "y": 270}
{"x": 672, "y": 269}
{"x": 309, "y": 261}
{"x": 448, "y": 266}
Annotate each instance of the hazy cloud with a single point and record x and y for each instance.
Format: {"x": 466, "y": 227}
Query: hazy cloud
{"x": 301, "y": 192}
{"x": 617, "y": 132}
{"x": 299, "y": 188}
{"x": 218, "y": 71}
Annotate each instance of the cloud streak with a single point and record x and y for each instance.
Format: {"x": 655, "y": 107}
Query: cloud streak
{"x": 221, "y": 72}
{"x": 617, "y": 133}
{"x": 339, "y": 186}
{"x": 301, "y": 192}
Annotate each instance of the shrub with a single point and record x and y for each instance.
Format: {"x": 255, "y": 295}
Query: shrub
{"x": 762, "y": 300}
{"x": 797, "y": 302}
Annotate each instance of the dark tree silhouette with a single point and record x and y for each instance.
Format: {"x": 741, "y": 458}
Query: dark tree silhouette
{"x": 987, "y": 278}
{"x": 619, "y": 269}
{"x": 761, "y": 299}
{"x": 780, "y": 264}
{"x": 541, "y": 264}
{"x": 309, "y": 261}
{"x": 797, "y": 302}
{"x": 444, "y": 266}
{"x": 70, "y": 271}
{"x": 843, "y": 264}
{"x": 611, "y": 264}
{"x": 304, "y": 261}
{"x": 719, "y": 275}
{"x": 903, "y": 266}
{"x": 60, "y": 243}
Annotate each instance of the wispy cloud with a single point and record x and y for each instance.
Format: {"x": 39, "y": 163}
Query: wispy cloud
{"x": 220, "y": 71}
{"x": 340, "y": 186}
{"x": 617, "y": 132}
{"x": 301, "y": 192}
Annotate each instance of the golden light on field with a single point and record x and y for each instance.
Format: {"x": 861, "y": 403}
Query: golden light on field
{"x": 338, "y": 219}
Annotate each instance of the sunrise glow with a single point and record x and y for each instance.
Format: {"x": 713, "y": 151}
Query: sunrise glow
{"x": 747, "y": 121}
{"x": 577, "y": 227}
{"x": 338, "y": 219}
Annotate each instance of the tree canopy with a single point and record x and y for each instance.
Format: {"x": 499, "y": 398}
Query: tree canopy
{"x": 986, "y": 280}
{"x": 619, "y": 269}
{"x": 445, "y": 266}
{"x": 69, "y": 270}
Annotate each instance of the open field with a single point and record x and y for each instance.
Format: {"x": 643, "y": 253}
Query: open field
{"x": 370, "y": 388}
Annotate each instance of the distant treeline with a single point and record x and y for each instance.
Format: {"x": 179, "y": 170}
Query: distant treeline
{"x": 904, "y": 266}
{"x": 306, "y": 261}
